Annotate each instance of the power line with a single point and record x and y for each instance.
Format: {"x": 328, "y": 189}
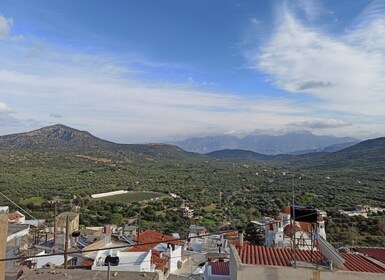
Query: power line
{"x": 130, "y": 245}
{"x": 110, "y": 248}
{"x": 21, "y": 208}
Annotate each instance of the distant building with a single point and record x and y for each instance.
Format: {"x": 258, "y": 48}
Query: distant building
{"x": 361, "y": 210}
{"x": 4, "y": 209}
{"x": 187, "y": 212}
{"x": 16, "y": 218}
{"x": 73, "y": 221}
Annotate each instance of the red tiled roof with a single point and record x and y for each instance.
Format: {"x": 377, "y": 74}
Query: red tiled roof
{"x": 220, "y": 268}
{"x": 260, "y": 255}
{"x": 13, "y": 216}
{"x": 375, "y": 253}
{"x": 157, "y": 260}
{"x": 359, "y": 263}
{"x": 87, "y": 262}
{"x": 155, "y": 237}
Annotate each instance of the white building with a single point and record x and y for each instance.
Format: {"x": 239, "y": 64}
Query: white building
{"x": 173, "y": 253}
{"x": 4, "y": 209}
{"x": 124, "y": 261}
{"x": 280, "y": 232}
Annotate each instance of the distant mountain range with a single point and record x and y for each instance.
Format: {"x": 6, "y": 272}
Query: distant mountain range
{"x": 369, "y": 154}
{"x": 366, "y": 155}
{"x": 63, "y": 138}
{"x": 291, "y": 143}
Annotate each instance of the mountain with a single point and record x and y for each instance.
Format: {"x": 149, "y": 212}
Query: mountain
{"x": 369, "y": 154}
{"x": 328, "y": 149}
{"x": 63, "y": 138}
{"x": 264, "y": 144}
{"x": 237, "y": 154}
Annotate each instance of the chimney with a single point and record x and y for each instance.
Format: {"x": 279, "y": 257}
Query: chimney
{"x": 240, "y": 238}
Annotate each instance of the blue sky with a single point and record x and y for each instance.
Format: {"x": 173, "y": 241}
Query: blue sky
{"x": 151, "y": 71}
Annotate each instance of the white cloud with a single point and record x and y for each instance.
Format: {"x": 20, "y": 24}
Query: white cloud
{"x": 4, "y": 109}
{"x": 5, "y": 26}
{"x": 345, "y": 72}
{"x": 135, "y": 110}
{"x": 5, "y": 29}
{"x": 321, "y": 123}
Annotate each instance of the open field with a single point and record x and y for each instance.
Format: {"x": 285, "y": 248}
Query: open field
{"x": 131, "y": 197}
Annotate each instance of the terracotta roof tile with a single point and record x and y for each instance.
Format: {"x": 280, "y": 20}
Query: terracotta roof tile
{"x": 375, "y": 253}
{"x": 260, "y": 255}
{"x": 13, "y": 216}
{"x": 354, "y": 262}
{"x": 220, "y": 268}
{"x": 87, "y": 262}
{"x": 153, "y": 236}
{"x": 157, "y": 260}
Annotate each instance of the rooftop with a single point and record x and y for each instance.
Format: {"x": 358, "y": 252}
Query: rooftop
{"x": 375, "y": 253}
{"x": 259, "y": 255}
{"x": 71, "y": 215}
{"x": 155, "y": 237}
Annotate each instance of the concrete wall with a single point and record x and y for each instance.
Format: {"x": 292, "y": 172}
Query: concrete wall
{"x": 175, "y": 256}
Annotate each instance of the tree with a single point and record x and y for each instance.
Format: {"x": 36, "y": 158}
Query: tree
{"x": 254, "y": 234}
{"x": 116, "y": 219}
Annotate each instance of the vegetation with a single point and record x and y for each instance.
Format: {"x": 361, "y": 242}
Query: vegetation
{"x": 224, "y": 193}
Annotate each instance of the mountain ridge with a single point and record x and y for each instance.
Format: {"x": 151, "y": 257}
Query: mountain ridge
{"x": 289, "y": 143}
{"x": 60, "y": 137}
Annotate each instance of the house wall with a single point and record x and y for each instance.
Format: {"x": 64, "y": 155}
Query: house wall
{"x": 210, "y": 276}
{"x": 176, "y": 256}
{"x": 97, "y": 245}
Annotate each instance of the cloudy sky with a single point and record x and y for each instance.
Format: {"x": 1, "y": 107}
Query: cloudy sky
{"x": 150, "y": 71}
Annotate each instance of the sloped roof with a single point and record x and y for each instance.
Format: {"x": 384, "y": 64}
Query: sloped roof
{"x": 14, "y": 216}
{"x": 155, "y": 237}
{"x": 259, "y": 255}
{"x": 375, "y": 253}
{"x": 354, "y": 262}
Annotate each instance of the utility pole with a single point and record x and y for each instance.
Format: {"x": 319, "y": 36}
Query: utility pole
{"x": 54, "y": 228}
{"x": 140, "y": 214}
{"x": 109, "y": 271}
{"x": 294, "y": 229}
{"x": 3, "y": 243}
{"x": 66, "y": 242}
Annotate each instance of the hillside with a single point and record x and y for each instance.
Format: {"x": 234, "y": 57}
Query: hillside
{"x": 367, "y": 155}
{"x": 63, "y": 138}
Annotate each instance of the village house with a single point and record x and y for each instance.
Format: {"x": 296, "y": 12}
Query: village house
{"x": 281, "y": 231}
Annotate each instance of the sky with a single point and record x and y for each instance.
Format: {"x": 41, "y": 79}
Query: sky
{"x": 156, "y": 71}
